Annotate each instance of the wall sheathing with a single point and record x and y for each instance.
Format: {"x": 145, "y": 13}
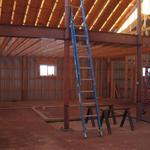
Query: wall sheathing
{"x": 13, "y": 71}
{"x": 17, "y": 78}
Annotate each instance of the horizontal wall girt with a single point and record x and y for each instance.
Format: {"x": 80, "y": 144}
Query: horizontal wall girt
{"x": 59, "y": 34}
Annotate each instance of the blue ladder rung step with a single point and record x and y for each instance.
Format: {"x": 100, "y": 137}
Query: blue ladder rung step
{"x": 79, "y": 16}
{"x": 86, "y": 79}
{"x": 79, "y": 35}
{"x": 89, "y": 104}
{"x": 77, "y": 25}
{"x": 82, "y": 46}
{"x": 85, "y": 68}
{"x": 93, "y": 115}
{"x": 87, "y": 91}
{"x": 83, "y": 57}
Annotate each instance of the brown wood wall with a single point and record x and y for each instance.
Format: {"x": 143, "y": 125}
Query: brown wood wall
{"x": 20, "y": 80}
{"x": 13, "y": 81}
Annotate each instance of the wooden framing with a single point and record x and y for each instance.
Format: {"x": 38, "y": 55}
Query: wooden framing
{"x": 139, "y": 63}
{"x": 12, "y": 19}
{"x": 59, "y": 34}
{"x": 67, "y": 70}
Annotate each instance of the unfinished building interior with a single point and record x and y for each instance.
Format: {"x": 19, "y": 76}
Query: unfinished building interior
{"x": 42, "y": 104}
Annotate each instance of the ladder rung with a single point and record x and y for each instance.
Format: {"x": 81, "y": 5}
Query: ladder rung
{"x": 83, "y": 46}
{"x": 79, "y": 35}
{"x": 83, "y": 57}
{"x": 89, "y": 104}
{"x": 76, "y": 25}
{"x": 85, "y": 68}
{"x": 86, "y": 79}
{"x": 94, "y": 115}
{"x": 86, "y": 91}
{"x": 80, "y": 16}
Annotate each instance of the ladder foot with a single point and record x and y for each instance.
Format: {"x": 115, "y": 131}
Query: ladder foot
{"x": 101, "y": 133}
{"x": 85, "y": 135}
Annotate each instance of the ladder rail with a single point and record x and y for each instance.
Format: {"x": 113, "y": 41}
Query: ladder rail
{"x": 76, "y": 38}
{"x": 91, "y": 64}
{"x": 78, "y": 75}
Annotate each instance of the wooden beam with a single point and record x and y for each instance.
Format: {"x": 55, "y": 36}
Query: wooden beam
{"x": 139, "y": 63}
{"x": 31, "y": 32}
{"x": 66, "y": 75}
{"x": 59, "y": 34}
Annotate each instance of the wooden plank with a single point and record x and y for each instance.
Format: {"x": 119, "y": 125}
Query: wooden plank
{"x": 18, "y": 47}
{"x": 74, "y": 3}
{"x": 125, "y": 16}
{"x": 105, "y": 14}
{"x": 33, "y": 12}
{"x": 119, "y": 10}
{"x": 7, "y": 8}
{"x": 45, "y": 13}
{"x": 20, "y": 11}
{"x": 15, "y": 45}
{"x": 37, "y": 32}
{"x": 57, "y": 14}
{"x": 87, "y": 6}
{"x": 96, "y": 10}
{"x": 4, "y": 44}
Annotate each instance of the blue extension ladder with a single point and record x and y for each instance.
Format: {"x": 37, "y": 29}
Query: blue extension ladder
{"x": 77, "y": 44}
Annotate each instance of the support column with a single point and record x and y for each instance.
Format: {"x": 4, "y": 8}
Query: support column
{"x": 67, "y": 71}
{"x": 139, "y": 62}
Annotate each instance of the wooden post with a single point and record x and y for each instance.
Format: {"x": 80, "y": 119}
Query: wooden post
{"x": 139, "y": 62}
{"x": 126, "y": 79}
{"x": 67, "y": 71}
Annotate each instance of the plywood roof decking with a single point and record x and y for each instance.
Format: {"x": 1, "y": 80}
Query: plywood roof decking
{"x": 101, "y": 15}
{"x": 51, "y": 12}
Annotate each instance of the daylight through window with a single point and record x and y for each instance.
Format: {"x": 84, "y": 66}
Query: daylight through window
{"x": 47, "y": 70}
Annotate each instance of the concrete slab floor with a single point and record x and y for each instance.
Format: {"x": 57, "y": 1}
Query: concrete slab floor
{"x": 22, "y": 129}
